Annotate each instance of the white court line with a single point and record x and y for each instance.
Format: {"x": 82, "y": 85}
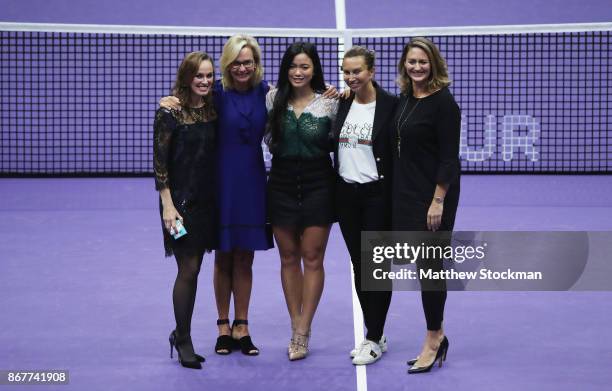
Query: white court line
{"x": 362, "y": 379}
{"x": 345, "y": 42}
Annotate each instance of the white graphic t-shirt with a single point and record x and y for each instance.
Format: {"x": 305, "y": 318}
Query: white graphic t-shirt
{"x": 355, "y": 156}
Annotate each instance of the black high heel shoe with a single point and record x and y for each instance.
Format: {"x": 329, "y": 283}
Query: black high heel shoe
{"x": 440, "y": 357}
{"x": 245, "y": 344}
{"x": 224, "y": 342}
{"x": 175, "y": 342}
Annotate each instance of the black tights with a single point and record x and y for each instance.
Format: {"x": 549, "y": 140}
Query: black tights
{"x": 184, "y": 294}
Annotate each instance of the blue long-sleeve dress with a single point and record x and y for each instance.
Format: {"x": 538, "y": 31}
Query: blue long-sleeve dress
{"x": 241, "y": 172}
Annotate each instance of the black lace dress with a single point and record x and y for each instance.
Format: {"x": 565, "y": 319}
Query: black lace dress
{"x": 184, "y": 161}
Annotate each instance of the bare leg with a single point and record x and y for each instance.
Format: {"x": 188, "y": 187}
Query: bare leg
{"x": 313, "y": 245}
{"x": 222, "y": 280}
{"x": 242, "y": 282}
{"x": 288, "y": 242}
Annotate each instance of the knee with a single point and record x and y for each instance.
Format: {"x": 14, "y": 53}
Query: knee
{"x": 289, "y": 258}
{"x": 189, "y": 272}
{"x": 312, "y": 254}
{"x": 313, "y": 259}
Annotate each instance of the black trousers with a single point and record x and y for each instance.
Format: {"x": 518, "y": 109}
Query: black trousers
{"x": 362, "y": 207}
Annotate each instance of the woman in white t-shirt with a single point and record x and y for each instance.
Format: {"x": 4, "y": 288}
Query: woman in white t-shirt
{"x": 362, "y": 135}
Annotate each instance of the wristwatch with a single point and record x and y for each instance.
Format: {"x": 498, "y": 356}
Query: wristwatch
{"x": 439, "y": 200}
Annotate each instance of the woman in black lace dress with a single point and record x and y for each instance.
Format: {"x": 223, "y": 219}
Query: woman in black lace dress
{"x": 184, "y": 166}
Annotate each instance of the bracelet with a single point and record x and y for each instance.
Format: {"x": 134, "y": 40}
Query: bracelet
{"x": 439, "y": 200}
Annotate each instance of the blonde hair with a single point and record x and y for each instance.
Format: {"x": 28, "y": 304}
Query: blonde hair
{"x": 438, "y": 77}
{"x": 231, "y": 50}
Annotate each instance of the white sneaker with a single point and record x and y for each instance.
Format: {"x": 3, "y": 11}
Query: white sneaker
{"x": 368, "y": 353}
{"x": 357, "y": 348}
{"x": 382, "y": 343}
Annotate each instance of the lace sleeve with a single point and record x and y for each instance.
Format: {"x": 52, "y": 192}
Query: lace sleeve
{"x": 326, "y": 107}
{"x": 163, "y": 126}
{"x": 270, "y": 99}
{"x": 332, "y": 108}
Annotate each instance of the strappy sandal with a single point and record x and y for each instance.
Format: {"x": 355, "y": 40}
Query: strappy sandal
{"x": 298, "y": 349}
{"x": 224, "y": 342}
{"x": 245, "y": 344}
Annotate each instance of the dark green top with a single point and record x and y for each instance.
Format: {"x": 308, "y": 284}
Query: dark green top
{"x": 306, "y": 137}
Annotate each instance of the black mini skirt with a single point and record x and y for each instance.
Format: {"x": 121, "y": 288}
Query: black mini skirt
{"x": 301, "y": 192}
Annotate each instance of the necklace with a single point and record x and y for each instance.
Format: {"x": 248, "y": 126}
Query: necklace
{"x": 401, "y": 123}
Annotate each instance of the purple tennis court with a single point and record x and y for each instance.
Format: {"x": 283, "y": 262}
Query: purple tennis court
{"x": 84, "y": 285}
{"x": 85, "y": 288}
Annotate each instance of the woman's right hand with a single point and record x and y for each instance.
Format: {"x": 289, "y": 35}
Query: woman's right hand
{"x": 170, "y": 102}
{"x": 170, "y": 215}
{"x": 331, "y": 92}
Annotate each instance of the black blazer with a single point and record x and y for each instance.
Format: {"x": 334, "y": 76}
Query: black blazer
{"x": 381, "y": 133}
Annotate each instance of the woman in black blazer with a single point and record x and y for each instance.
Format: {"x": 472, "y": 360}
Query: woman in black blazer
{"x": 362, "y": 159}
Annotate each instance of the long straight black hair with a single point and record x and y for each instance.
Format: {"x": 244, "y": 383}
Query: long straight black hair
{"x": 284, "y": 88}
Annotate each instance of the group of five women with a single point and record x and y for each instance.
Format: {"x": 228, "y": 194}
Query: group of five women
{"x": 395, "y": 166}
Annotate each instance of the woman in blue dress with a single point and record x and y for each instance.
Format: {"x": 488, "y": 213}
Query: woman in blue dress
{"x": 240, "y": 102}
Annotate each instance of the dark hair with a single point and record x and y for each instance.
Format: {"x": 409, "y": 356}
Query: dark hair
{"x": 368, "y": 55}
{"x": 284, "y": 88}
{"x": 184, "y": 76}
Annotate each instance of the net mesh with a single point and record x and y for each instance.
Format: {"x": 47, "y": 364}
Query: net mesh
{"x": 83, "y": 103}
{"x": 529, "y": 102}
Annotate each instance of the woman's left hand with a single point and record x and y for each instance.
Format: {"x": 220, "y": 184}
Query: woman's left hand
{"x": 434, "y": 216}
